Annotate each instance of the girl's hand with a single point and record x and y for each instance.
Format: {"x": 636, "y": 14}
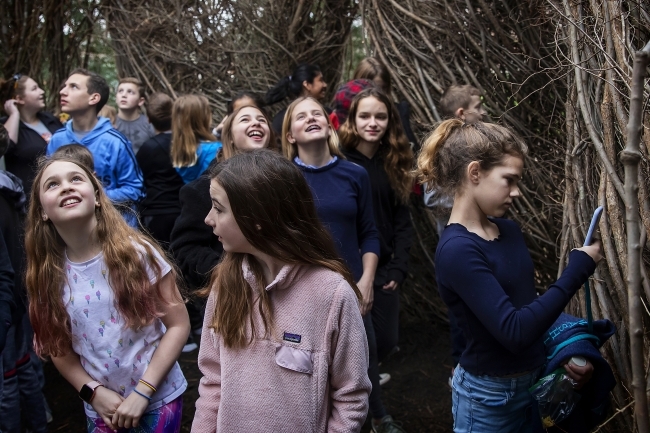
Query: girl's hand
{"x": 105, "y": 404}
{"x": 10, "y": 107}
{"x": 367, "y": 296}
{"x": 392, "y": 285}
{"x": 594, "y": 251}
{"x": 580, "y": 375}
{"x": 129, "y": 413}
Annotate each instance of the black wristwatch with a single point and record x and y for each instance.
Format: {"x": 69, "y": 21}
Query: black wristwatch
{"x": 87, "y": 391}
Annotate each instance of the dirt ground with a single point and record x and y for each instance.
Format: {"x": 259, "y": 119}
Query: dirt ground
{"x": 417, "y": 394}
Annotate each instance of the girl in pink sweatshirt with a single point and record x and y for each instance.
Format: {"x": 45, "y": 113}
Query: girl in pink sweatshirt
{"x": 283, "y": 347}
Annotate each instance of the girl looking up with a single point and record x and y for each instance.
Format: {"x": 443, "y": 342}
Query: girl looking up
{"x": 193, "y": 145}
{"x": 29, "y": 127}
{"x": 341, "y": 189}
{"x": 372, "y": 137}
{"x": 306, "y": 80}
{"x": 195, "y": 249}
{"x": 283, "y": 345}
{"x": 104, "y": 303}
{"x": 485, "y": 276}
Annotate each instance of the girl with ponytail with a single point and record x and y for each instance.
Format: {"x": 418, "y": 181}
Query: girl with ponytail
{"x": 306, "y": 80}
{"x": 485, "y": 276}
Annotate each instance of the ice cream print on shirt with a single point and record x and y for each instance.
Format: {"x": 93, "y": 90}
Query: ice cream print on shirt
{"x": 114, "y": 355}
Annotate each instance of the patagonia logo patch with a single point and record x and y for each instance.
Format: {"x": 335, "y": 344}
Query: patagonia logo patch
{"x": 292, "y": 338}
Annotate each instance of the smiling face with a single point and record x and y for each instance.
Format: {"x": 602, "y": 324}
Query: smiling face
{"x": 250, "y": 130}
{"x": 128, "y": 96}
{"x": 66, "y": 194}
{"x": 33, "y": 98}
{"x": 74, "y": 95}
{"x": 497, "y": 187}
{"x": 308, "y": 124}
{"x": 223, "y": 222}
{"x": 316, "y": 89}
{"x": 371, "y": 120}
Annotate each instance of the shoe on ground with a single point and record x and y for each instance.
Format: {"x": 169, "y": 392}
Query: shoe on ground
{"x": 383, "y": 378}
{"x": 387, "y": 425}
{"x": 190, "y": 345}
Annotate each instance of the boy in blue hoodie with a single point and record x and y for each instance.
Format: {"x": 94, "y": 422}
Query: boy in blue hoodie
{"x": 82, "y": 96}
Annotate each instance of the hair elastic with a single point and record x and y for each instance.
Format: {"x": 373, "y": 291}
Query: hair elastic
{"x": 147, "y": 384}
{"x": 290, "y": 77}
{"x": 141, "y": 394}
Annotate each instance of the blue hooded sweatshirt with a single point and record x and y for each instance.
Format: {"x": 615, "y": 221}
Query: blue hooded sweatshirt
{"x": 569, "y": 336}
{"x": 115, "y": 163}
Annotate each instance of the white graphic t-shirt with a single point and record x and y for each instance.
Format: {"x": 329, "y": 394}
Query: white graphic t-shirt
{"x": 114, "y": 355}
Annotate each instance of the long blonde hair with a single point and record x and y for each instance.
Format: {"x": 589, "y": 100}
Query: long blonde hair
{"x": 290, "y": 150}
{"x": 449, "y": 149}
{"x": 191, "y": 120}
{"x": 136, "y": 299}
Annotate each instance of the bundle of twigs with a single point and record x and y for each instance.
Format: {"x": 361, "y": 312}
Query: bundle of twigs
{"x": 46, "y": 40}
{"x": 596, "y": 42}
{"x": 218, "y": 47}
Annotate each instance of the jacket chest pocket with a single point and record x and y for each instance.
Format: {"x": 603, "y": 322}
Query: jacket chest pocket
{"x": 298, "y": 360}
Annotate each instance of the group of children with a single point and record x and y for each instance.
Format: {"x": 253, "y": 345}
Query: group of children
{"x": 299, "y": 243}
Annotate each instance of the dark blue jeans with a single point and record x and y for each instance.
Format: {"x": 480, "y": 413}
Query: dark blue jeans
{"x": 21, "y": 387}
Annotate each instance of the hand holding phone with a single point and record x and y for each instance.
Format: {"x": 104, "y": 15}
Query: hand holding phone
{"x": 594, "y": 224}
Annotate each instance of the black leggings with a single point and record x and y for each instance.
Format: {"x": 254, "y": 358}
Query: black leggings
{"x": 381, "y": 326}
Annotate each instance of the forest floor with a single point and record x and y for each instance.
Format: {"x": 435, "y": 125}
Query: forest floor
{"x": 417, "y": 394}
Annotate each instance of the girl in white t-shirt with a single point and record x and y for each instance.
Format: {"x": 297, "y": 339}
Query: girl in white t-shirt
{"x": 104, "y": 303}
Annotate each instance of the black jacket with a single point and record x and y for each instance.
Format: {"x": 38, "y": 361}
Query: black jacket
{"x": 21, "y": 157}
{"x": 7, "y": 303}
{"x": 392, "y": 219}
{"x": 161, "y": 180}
{"x": 195, "y": 248}
{"x": 12, "y": 213}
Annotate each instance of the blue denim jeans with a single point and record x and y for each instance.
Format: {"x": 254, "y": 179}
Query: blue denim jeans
{"x": 486, "y": 404}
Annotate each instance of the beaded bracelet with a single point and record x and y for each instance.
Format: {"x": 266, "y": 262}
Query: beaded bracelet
{"x": 139, "y": 393}
{"x": 147, "y": 384}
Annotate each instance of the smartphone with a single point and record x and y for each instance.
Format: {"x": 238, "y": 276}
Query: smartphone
{"x": 594, "y": 225}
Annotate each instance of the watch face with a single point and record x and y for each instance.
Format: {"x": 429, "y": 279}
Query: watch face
{"x": 86, "y": 393}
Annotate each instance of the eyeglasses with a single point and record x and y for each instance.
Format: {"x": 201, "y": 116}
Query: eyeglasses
{"x": 16, "y": 78}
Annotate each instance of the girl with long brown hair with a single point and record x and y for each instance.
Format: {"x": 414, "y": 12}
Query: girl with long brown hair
{"x": 103, "y": 303}
{"x": 485, "y": 275}
{"x": 372, "y": 137}
{"x": 196, "y": 251}
{"x": 193, "y": 145}
{"x": 282, "y": 331}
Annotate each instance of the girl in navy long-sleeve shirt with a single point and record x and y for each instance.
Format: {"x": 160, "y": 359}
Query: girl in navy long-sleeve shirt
{"x": 485, "y": 276}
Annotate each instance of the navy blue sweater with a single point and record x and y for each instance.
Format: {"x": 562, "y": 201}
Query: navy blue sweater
{"x": 490, "y": 288}
{"x": 343, "y": 200}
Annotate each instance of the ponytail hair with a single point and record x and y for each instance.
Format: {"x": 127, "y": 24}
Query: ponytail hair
{"x": 292, "y": 84}
{"x": 449, "y": 149}
{"x": 14, "y": 86}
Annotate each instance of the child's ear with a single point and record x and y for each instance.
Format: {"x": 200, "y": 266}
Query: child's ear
{"x": 473, "y": 172}
{"x": 460, "y": 113}
{"x": 290, "y": 138}
{"x": 141, "y": 102}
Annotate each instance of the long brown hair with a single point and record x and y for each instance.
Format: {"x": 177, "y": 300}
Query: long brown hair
{"x": 394, "y": 147}
{"x": 290, "y": 150}
{"x": 127, "y": 268}
{"x": 273, "y": 206}
{"x": 449, "y": 149}
{"x": 229, "y": 149}
{"x": 191, "y": 119}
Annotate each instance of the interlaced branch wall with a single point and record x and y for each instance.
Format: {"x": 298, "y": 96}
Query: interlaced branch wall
{"x": 218, "y": 47}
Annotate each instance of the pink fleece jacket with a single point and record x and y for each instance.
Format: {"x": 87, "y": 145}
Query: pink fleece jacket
{"x": 309, "y": 375}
